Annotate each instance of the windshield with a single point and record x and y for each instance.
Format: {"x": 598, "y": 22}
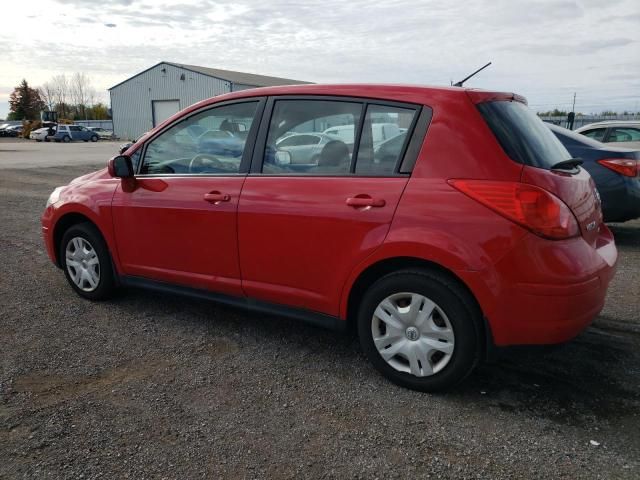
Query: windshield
{"x": 523, "y": 136}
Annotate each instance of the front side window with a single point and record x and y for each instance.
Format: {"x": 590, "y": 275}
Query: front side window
{"x": 383, "y": 139}
{"x": 210, "y": 142}
{"x": 335, "y": 123}
{"x": 596, "y": 133}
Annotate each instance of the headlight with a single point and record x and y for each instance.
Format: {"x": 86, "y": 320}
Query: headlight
{"x": 55, "y": 196}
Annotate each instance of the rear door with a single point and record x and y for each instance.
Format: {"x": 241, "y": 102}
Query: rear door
{"x": 179, "y": 222}
{"x": 301, "y": 231}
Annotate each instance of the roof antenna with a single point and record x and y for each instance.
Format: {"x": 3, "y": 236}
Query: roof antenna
{"x": 459, "y": 84}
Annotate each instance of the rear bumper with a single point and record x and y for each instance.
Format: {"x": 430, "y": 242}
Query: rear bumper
{"x": 545, "y": 292}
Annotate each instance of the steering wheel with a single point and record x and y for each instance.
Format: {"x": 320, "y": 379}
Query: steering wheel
{"x": 202, "y": 159}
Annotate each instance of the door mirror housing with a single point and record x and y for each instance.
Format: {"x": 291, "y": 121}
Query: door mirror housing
{"x": 121, "y": 166}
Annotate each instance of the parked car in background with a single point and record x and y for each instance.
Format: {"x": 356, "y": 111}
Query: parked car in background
{"x": 68, "y": 133}
{"x": 615, "y": 170}
{"x": 40, "y": 134}
{"x": 303, "y": 148}
{"x": 103, "y": 133}
{"x": 621, "y": 132}
{"x": 483, "y": 233}
{"x": 379, "y": 131}
{"x": 11, "y": 131}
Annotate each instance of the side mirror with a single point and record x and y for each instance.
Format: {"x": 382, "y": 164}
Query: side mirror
{"x": 120, "y": 167}
{"x": 283, "y": 157}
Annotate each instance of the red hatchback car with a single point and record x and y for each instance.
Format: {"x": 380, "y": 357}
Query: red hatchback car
{"x": 438, "y": 222}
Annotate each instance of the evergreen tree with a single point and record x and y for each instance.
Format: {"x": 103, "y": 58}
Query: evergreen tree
{"x": 25, "y": 103}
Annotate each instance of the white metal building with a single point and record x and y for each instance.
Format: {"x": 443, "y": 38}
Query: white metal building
{"x": 145, "y": 100}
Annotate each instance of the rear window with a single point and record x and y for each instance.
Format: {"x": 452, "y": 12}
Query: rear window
{"x": 522, "y": 135}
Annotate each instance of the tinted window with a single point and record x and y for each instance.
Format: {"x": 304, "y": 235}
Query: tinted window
{"x": 624, "y": 134}
{"x": 208, "y": 142}
{"x": 522, "y": 135}
{"x": 292, "y": 117}
{"x": 596, "y": 133}
{"x": 383, "y": 139}
{"x": 74, "y": 128}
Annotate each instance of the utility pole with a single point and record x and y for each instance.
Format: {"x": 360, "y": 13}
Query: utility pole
{"x": 573, "y": 108}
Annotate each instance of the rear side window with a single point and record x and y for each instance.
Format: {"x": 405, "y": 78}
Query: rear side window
{"x": 383, "y": 140}
{"x": 522, "y": 135}
{"x": 624, "y": 134}
{"x": 595, "y": 134}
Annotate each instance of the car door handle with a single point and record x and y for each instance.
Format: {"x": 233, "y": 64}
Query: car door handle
{"x": 365, "y": 201}
{"x": 216, "y": 197}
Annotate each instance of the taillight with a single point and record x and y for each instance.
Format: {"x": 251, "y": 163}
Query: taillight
{"x": 532, "y": 207}
{"x": 624, "y": 166}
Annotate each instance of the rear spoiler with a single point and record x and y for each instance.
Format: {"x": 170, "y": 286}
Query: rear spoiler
{"x": 481, "y": 96}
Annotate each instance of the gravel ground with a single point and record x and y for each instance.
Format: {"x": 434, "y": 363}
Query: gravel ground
{"x": 151, "y": 386}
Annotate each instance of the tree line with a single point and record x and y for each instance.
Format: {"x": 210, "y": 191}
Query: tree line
{"x": 73, "y": 98}
{"x": 562, "y": 113}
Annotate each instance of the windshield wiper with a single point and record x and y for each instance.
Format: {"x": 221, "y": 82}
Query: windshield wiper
{"x": 569, "y": 164}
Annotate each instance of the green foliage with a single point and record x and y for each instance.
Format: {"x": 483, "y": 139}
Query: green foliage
{"x": 99, "y": 111}
{"x": 25, "y": 103}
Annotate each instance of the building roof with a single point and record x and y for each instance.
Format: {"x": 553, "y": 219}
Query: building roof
{"x": 240, "y": 77}
{"x": 243, "y": 78}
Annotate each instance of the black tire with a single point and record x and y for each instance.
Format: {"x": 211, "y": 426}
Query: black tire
{"x": 66, "y": 139}
{"x": 455, "y": 302}
{"x": 94, "y": 138}
{"x": 106, "y": 283}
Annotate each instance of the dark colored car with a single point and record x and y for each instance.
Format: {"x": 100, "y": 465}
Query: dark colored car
{"x": 475, "y": 230}
{"x": 615, "y": 170}
{"x": 12, "y": 131}
{"x": 69, "y": 133}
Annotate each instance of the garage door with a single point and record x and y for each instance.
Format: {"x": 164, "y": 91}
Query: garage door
{"x": 163, "y": 109}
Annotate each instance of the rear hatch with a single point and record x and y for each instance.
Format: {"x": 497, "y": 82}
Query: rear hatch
{"x": 546, "y": 162}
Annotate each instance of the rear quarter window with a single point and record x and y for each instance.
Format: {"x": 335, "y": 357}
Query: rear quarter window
{"x": 523, "y": 136}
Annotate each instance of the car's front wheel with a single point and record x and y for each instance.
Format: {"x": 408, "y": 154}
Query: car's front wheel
{"x": 86, "y": 262}
{"x": 94, "y": 138}
{"x": 420, "y": 329}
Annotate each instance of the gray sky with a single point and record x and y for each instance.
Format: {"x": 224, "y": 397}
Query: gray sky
{"x": 543, "y": 49}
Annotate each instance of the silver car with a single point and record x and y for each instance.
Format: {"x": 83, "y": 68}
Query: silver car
{"x": 624, "y": 133}
{"x": 304, "y": 148}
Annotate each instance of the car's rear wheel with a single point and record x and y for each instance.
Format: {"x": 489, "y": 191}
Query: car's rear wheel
{"x": 94, "y": 138}
{"x": 66, "y": 139}
{"x": 420, "y": 329}
{"x": 86, "y": 262}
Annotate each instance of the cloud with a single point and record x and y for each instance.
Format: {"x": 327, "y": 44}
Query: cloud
{"x": 585, "y": 48}
{"x": 545, "y": 49}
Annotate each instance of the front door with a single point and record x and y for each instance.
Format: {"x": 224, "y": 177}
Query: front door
{"x": 179, "y": 222}
{"x": 304, "y": 226}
